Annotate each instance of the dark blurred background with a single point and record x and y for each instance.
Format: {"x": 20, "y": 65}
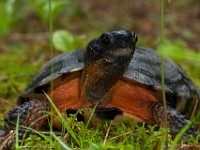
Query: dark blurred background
{"x": 25, "y": 33}
{"x": 90, "y": 18}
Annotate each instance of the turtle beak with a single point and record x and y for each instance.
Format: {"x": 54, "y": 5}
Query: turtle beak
{"x": 120, "y": 55}
{"x": 134, "y": 37}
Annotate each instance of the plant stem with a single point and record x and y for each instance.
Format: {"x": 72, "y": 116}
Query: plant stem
{"x": 162, "y": 67}
{"x": 51, "y": 51}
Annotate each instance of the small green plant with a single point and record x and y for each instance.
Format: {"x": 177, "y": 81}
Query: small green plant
{"x": 65, "y": 41}
{"x": 42, "y": 8}
{"x": 7, "y": 18}
{"x": 189, "y": 59}
{"x": 178, "y": 51}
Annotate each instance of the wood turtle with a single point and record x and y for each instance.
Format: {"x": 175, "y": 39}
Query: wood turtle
{"x": 120, "y": 79}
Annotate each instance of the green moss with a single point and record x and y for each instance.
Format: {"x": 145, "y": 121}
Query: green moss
{"x": 16, "y": 71}
{"x": 106, "y": 136}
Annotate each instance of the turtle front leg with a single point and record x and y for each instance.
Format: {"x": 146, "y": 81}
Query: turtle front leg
{"x": 175, "y": 120}
{"x": 31, "y": 114}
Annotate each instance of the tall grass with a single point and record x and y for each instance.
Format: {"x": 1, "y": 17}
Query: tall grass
{"x": 162, "y": 72}
{"x": 51, "y": 54}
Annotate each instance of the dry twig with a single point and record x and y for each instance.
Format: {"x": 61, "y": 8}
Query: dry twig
{"x": 106, "y": 137}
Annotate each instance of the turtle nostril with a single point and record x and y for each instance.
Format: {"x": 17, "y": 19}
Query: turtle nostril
{"x": 134, "y": 36}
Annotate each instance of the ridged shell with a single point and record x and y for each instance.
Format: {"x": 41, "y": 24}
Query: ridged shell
{"x": 145, "y": 68}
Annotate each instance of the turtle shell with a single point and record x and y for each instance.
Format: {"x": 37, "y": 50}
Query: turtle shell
{"x": 144, "y": 68}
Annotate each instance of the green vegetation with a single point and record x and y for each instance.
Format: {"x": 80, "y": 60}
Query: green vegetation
{"x": 7, "y": 18}
{"x": 108, "y": 135}
{"x": 189, "y": 59}
{"x": 65, "y": 41}
{"x": 73, "y": 25}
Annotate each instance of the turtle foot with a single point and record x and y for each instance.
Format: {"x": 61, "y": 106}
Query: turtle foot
{"x": 175, "y": 120}
{"x": 30, "y": 114}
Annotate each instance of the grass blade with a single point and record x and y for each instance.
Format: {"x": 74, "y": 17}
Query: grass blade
{"x": 162, "y": 71}
{"x": 61, "y": 142}
{"x": 66, "y": 125}
{"x": 179, "y": 135}
{"x": 17, "y": 133}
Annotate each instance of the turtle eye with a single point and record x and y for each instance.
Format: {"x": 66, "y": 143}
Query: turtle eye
{"x": 106, "y": 39}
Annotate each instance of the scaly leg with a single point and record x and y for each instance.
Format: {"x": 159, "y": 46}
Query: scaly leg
{"x": 175, "y": 120}
{"x": 31, "y": 114}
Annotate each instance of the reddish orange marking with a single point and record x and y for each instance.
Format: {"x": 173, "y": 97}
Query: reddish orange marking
{"x": 133, "y": 98}
{"x": 66, "y": 93}
{"x": 130, "y": 97}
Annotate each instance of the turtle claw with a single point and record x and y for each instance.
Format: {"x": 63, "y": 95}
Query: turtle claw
{"x": 7, "y": 141}
{"x": 189, "y": 147}
{"x": 2, "y": 133}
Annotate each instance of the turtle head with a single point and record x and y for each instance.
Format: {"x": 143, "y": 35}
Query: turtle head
{"x": 116, "y": 46}
{"x": 106, "y": 59}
